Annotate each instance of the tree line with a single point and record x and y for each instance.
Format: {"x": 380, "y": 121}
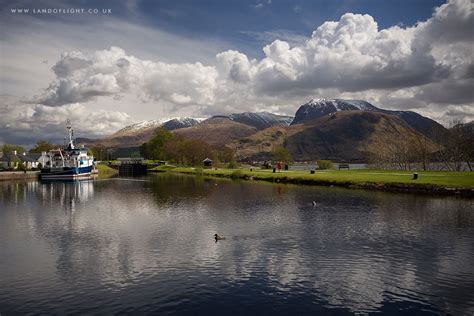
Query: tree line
{"x": 41, "y": 145}
{"x": 167, "y": 146}
{"x": 451, "y": 150}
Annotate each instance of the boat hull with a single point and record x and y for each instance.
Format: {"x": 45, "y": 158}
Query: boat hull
{"x": 66, "y": 172}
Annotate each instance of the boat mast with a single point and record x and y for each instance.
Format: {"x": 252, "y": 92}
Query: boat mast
{"x": 70, "y": 132}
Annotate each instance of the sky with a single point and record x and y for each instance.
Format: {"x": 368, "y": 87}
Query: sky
{"x": 107, "y": 64}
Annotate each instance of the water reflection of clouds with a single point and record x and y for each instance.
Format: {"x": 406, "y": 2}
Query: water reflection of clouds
{"x": 355, "y": 250}
{"x": 360, "y": 279}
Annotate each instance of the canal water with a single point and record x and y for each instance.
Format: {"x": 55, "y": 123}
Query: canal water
{"x": 145, "y": 245}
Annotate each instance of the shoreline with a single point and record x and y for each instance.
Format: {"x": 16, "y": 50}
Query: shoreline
{"x": 400, "y": 187}
{"x": 300, "y": 178}
{"x": 18, "y": 175}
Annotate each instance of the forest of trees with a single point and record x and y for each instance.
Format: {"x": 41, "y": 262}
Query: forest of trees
{"x": 457, "y": 148}
{"x": 8, "y": 148}
{"x": 165, "y": 145}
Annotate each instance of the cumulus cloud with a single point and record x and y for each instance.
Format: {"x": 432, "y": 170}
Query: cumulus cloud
{"x": 82, "y": 77}
{"x": 351, "y": 55}
{"x": 451, "y": 23}
{"x": 430, "y": 62}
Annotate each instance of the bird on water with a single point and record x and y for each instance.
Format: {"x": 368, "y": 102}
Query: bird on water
{"x": 217, "y": 237}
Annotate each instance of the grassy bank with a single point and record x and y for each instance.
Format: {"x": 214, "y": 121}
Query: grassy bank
{"x": 436, "y": 182}
{"x": 105, "y": 170}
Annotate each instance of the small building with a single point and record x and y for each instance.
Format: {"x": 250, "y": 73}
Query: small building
{"x": 28, "y": 161}
{"x": 10, "y": 160}
{"x": 41, "y": 159}
{"x": 207, "y": 162}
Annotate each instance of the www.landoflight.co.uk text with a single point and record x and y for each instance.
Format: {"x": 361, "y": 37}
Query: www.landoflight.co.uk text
{"x": 61, "y": 11}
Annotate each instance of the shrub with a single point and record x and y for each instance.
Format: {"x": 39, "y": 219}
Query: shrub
{"x": 21, "y": 167}
{"x": 324, "y": 164}
{"x": 232, "y": 165}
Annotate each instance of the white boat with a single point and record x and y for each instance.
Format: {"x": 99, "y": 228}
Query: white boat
{"x": 68, "y": 162}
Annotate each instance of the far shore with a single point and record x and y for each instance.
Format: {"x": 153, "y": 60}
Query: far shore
{"x": 18, "y": 175}
{"x": 427, "y": 182}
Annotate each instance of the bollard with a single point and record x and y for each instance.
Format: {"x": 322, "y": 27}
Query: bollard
{"x": 415, "y": 176}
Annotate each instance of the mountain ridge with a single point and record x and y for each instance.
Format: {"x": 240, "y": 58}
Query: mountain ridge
{"x": 317, "y": 108}
{"x": 343, "y": 136}
{"x": 321, "y": 128}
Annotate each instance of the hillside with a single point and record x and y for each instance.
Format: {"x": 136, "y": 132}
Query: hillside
{"x": 260, "y": 145}
{"x": 317, "y": 108}
{"x": 217, "y": 131}
{"x": 120, "y": 139}
{"x": 261, "y": 120}
{"x": 344, "y": 136}
{"x": 136, "y": 134}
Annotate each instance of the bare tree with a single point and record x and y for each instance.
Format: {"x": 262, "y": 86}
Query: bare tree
{"x": 402, "y": 152}
{"x": 457, "y": 147}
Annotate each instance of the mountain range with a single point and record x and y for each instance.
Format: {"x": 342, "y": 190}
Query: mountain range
{"x": 321, "y": 129}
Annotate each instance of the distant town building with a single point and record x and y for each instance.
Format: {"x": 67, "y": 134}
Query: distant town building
{"x": 30, "y": 161}
{"x": 10, "y": 160}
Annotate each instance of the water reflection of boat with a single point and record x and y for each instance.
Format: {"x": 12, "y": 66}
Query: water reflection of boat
{"x": 69, "y": 162}
{"x": 67, "y": 193}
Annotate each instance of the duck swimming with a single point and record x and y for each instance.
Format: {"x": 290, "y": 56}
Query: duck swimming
{"x": 217, "y": 237}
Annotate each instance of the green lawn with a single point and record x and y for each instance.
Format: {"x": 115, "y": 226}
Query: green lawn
{"x": 163, "y": 167}
{"x": 365, "y": 176}
{"x": 105, "y": 170}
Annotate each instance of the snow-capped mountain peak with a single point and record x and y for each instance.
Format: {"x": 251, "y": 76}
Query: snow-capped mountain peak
{"x": 360, "y": 104}
{"x": 319, "y": 102}
{"x": 141, "y": 125}
{"x": 260, "y": 120}
{"x": 171, "y": 122}
{"x": 319, "y": 107}
{"x": 181, "y": 122}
